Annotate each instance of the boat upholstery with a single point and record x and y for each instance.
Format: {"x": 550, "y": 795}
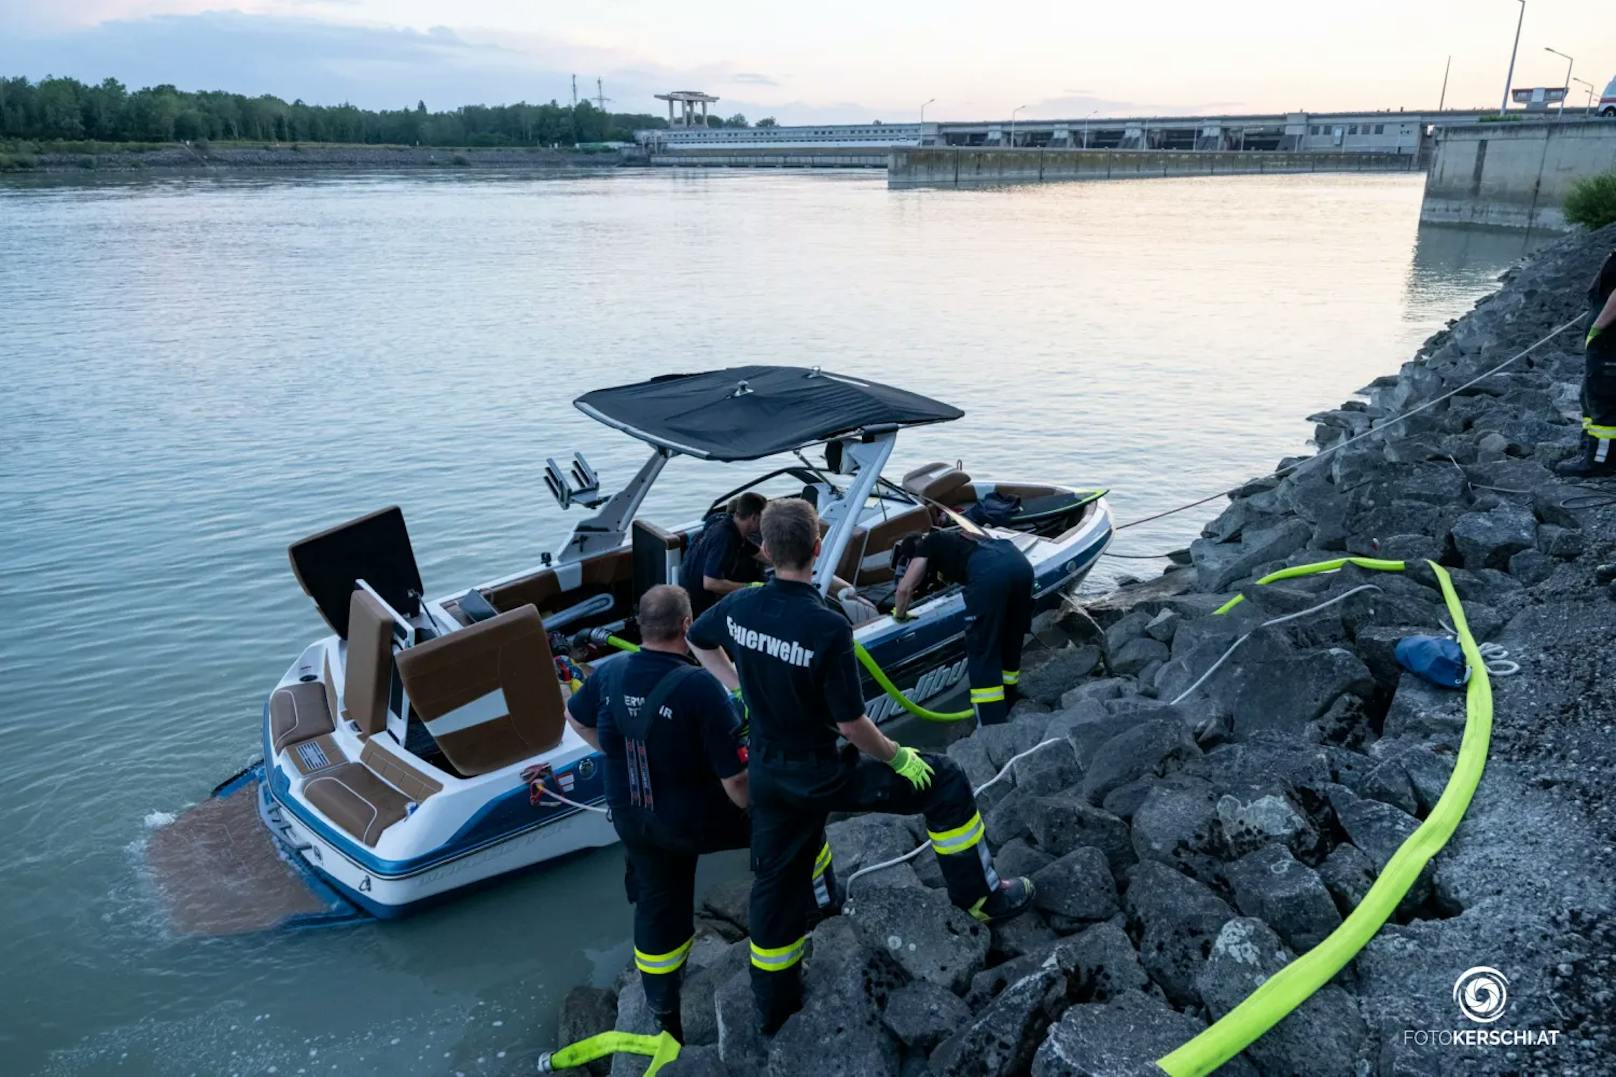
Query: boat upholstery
{"x": 542, "y": 588}
{"x": 488, "y": 693}
{"x": 398, "y": 773}
{"x": 869, "y": 561}
{"x": 320, "y": 753}
{"x": 370, "y": 662}
{"x": 328, "y": 678}
{"x": 356, "y": 800}
{"x": 940, "y": 482}
{"x": 655, "y": 555}
{"x": 298, "y": 712}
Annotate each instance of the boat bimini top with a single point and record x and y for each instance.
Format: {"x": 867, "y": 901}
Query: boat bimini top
{"x": 746, "y": 413}
{"x": 749, "y": 412}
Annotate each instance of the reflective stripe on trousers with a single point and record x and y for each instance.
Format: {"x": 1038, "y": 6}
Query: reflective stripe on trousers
{"x": 778, "y": 958}
{"x": 657, "y": 964}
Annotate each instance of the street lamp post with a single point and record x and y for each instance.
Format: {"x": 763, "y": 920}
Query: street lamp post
{"x": 1013, "y": 112}
{"x": 1086, "y": 120}
{"x": 922, "y": 139}
{"x": 1591, "y": 89}
{"x": 1509, "y": 79}
{"x": 1569, "y": 62}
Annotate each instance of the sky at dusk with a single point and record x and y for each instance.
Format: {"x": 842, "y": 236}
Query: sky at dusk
{"x": 833, "y": 61}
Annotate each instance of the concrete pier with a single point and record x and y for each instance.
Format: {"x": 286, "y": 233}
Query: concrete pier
{"x": 1514, "y": 175}
{"x": 964, "y": 167}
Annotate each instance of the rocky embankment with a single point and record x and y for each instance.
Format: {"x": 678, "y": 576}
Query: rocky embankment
{"x": 201, "y": 157}
{"x": 1184, "y": 851}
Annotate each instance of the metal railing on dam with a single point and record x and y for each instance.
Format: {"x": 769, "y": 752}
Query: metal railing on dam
{"x": 970, "y": 167}
{"x": 772, "y": 157}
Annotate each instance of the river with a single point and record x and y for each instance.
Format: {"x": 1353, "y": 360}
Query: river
{"x": 200, "y": 369}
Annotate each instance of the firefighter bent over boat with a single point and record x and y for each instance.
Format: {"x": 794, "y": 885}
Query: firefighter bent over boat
{"x": 675, "y": 779}
{"x": 998, "y": 581}
{"x": 792, "y": 656}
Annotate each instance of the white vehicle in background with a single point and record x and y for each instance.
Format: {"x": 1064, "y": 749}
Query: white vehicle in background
{"x": 1607, "y": 103}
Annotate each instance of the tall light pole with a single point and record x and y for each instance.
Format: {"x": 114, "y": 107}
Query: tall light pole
{"x": 1445, "y": 71}
{"x": 1013, "y": 112}
{"x": 1509, "y": 79}
{"x": 1569, "y": 62}
{"x": 922, "y": 139}
{"x": 1086, "y": 120}
{"x": 1591, "y": 88}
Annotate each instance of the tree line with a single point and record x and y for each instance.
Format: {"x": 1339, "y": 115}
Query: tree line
{"x": 65, "y": 108}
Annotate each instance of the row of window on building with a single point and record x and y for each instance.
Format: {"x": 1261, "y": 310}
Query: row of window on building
{"x": 1352, "y": 129}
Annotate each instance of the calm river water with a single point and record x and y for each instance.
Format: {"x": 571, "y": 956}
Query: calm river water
{"x": 198, "y": 371}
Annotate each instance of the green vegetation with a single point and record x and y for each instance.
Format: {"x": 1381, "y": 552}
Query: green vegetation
{"x": 78, "y": 118}
{"x": 1592, "y": 202}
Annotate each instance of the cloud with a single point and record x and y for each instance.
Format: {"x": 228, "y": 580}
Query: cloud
{"x": 752, "y": 78}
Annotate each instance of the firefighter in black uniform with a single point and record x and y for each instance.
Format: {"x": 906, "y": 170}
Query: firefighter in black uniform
{"x": 724, "y": 557}
{"x": 998, "y": 581}
{"x": 675, "y": 780}
{"x": 793, "y": 659}
{"x": 1598, "y": 455}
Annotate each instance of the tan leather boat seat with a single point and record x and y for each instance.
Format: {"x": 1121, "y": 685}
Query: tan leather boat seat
{"x": 369, "y": 679}
{"x": 356, "y": 800}
{"x": 488, "y": 694}
{"x": 940, "y": 482}
{"x": 868, "y": 560}
{"x": 298, "y": 712}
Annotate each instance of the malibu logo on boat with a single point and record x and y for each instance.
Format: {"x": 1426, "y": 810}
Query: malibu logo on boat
{"x": 931, "y": 683}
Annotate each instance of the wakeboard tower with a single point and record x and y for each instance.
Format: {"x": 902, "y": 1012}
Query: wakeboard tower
{"x": 421, "y": 747}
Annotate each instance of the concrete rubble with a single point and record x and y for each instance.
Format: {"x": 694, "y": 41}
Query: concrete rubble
{"x": 1184, "y": 851}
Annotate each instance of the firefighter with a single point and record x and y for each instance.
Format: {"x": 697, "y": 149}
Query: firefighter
{"x": 675, "y": 780}
{"x": 793, "y": 660}
{"x": 998, "y": 582}
{"x": 1598, "y": 455}
{"x": 724, "y": 556}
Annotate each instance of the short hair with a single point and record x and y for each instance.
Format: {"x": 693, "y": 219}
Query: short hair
{"x": 790, "y": 531}
{"x": 662, "y": 612}
{"x": 747, "y": 506}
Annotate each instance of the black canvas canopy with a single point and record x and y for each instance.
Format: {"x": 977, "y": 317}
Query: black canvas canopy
{"x": 747, "y": 412}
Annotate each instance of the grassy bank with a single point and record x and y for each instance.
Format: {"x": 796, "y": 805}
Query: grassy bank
{"x": 18, "y": 156}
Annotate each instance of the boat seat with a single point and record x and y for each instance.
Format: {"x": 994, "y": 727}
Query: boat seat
{"x": 656, "y": 555}
{"x": 369, "y": 680}
{"x": 867, "y": 561}
{"x": 488, "y": 693}
{"x": 298, "y": 712}
{"x": 940, "y": 482}
{"x": 356, "y": 800}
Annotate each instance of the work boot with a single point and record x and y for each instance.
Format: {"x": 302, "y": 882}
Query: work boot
{"x": 1596, "y": 459}
{"x": 1012, "y": 898}
{"x": 672, "y": 1024}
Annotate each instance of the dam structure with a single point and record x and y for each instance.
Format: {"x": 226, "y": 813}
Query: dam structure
{"x": 1514, "y": 175}
{"x": 1397, "y": 134}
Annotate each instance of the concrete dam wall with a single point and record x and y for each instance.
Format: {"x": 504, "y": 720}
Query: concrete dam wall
{"x": 1514, "y": 175}
{"x": 970, "y": 167}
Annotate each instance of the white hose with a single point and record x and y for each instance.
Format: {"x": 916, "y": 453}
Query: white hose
{"x": 895, "y": 861}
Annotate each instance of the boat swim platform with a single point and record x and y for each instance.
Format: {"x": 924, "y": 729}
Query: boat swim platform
{"x": 220, "y": 872}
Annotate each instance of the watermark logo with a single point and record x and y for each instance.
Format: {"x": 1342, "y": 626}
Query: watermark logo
{"x": 1482, "y": 993}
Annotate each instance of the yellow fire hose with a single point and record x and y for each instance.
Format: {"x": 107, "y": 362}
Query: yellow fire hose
{"x": 1295, "y": 983}
{"x": 662, "y": 1049}
{"x": 898, "y": 697}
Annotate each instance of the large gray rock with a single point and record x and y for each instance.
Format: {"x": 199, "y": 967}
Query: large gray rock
{"x": 971, "y": 753}
{"x": 1010, "y": 739}
{"x": 870, "y": 839}
{"x": 1020, "y": 935}
{"x": 1102, "y": 963}
{"x": 1379, "y": 830}
{"x": 696, "y": 1061}
{"x": 586, "y": 1011}
{"x": 1275, "y": 887}
{"x": 1076, "y": 888}
{"x": 1136, "y": 654}
{"x": 633, "y": 1015}
{"x": 1001, "y": 1040}
{"x": 1347, "y": 874}
{"x": 1051, "y": 769}
{"x": 1490, "y": 539}
{"x": 729, "y": 901}
{"x": 1285, "y": 696}
{"x": 923, "y": 933}
{"x": 1251, "y": 816}
{"x": 703, "y": 978}
{"x": 1177, "y": 823}
{"x": 1178, "y": 919}
{"x": 922, "y": 1014}
{"x": 1047, "y": 681}
{"x": 740, "y": 1045}
{"x": 1152, "y": 748}
{"x": 1421, "y": 710}
{"x": 1060, "y": 824}
{"x": 846, "y": 985}
{"x": 1220, "y": 564}
{"x": 1119, "y": 1038}
{"x": 1324, "y": 1036}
